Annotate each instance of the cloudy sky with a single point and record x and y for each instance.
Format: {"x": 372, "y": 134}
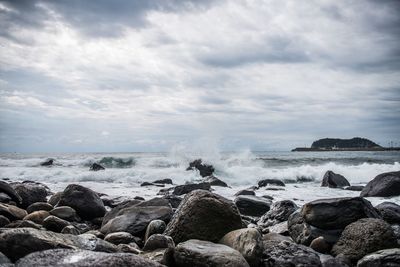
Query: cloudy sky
{"x": 151, "y": 75}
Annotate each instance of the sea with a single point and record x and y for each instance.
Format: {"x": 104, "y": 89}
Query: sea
{"x": 301, "y": 171}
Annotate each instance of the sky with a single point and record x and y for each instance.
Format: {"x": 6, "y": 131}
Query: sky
{"x": 120, "y": 76}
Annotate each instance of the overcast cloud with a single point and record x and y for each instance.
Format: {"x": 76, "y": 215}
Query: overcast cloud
{"x": 151, "y": 75}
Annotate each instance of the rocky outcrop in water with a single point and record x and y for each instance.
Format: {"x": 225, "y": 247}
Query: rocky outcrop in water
{"x": 334, "y": 180}
{"x": 204, "y": 169}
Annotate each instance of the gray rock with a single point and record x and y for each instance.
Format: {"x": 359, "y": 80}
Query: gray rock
{"x": 155, "y": 227}
{"x": 173, "y": 200}
{"x": 55, "y": 224}
{"x": 96, "y": 167}
{"x": 163, "y": 181}
{"x": 248, "y": 242}
{"x": 245, "y": 192}
{"x": 279, "y": 228}
{"x": 187, "y": 188}
{"x": 30, "y": 192}
{"x": 158, "y": 241}
{"x": 334, "y": 180}
{"x": 337, "y": 213}
{"x": 83, "y": 258}
{"x": 24, "y": 224}
{"x": 119, "y": 238}
{"x": 354, "y": 187}
{"x": 114, "y": 211}
{"x": 384, "y": 185}
{"x": 320, "y": 245}
{"x": 214, "y": 181}
{"x": 71, "y": 230}
{"x": 266, "y": 182}
{"x": 4, "y": 261}
{"x": 206, "y": 254}
{"x": 390, "y": 212}
{"x": 329, "y": 261}
{"x": 12, "y": 212}
{"x": 53, "y": 200}
{"x": 84, "y": 201}
{"x": 163, "y": 256}
{"x": 275, "y": 237}
{"x": 65, "y": 213}
{"x": 129, "y": 248}
{"x": 252, "y": 205}
{"x": 9, "y": 191}
{"x": 203, "y": 215}
{"x": 204, "y": 169}
{"x": 37, "y": 216}
{"x": 279, "y": 212}
{"x": 363, "y": 237}
{"x": 39, "y": 206}
{"x": 383, "y": 258}
{"x": 16, "y": 243}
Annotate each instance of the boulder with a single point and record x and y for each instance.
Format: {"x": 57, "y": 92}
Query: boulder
{"x": 354, "y": 187}
{"x": 245, "y": 192}
{"x": 4, "y": 221}
{"x": 384, "y": 258}
{"x": 390, "y": 212}
{"x": 158, "y": 241}
{"x": 96, "y": 167}
{"x": 279, "y": 212}
{"x": 279, "y": 228}
{"x": 384, "y": 185}
{"x": 204, "y": 169}
{"x": 9, "y": 191}
{"x": 252, "y": 205}
{"x": 163, "y": 181}
{"x": 214, "y": 181}
{"x": 48, "y": 162}
{"x": 53, "y": 200}
{"x": 39, "y": 206}
{"x": 334, "y": 180}
{"x": 155, "y": 227}
{"x": 329, "y": 261}
{"x": 30, "y": 193}
{"x": 266, "y": 182}
{"x": 37, "y": 216}
{"x": 55, "y": 224}
{"x": 24, "y": 224}
{"x": 186, "y": 188}
{"x": 84, "y": 258}
{"x": 206, "y": 254}
{"x": 337, "y": 213}
{"x": 119, "y": 238}
{"x": 12, "y": 212}
{"x": 164, "y": 256}
{"x": 248, "y": 242}
{"x": 363, "y": 237}
{"x": 71, "y": 230}
{"x": 65, "y": 213}
{"x": 16, "y": 243}
{"x": 203, "y": 215}
{"x": 276, "y": 237}
{"x": 83, "y": 200}
{"x": 114, "y": 211}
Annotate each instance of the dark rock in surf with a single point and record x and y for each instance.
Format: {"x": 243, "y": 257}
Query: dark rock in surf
{"x": 163, "y": 181}
{"x": 39, "y": 206}
{"x": 84, "y": 201}
{"x": 363, "y": 237}
{"x": 186, "y": 188}
{"x": 266, "y": 182}
{"x": 30, "y": 192}
{"x": 334, "y": 180}
{"x": 214, "y": 181}
{"x": 48, "y": 162}
{"x": 203, "y": 215}
{"x": 96, "y": 167}
{"x": 390, "y": 212}
{"x": 252, "y": 205}
{"x": 245, "y": 192}
{"x": 385, "y": 258}
{"x": 119, "y": 238}
{"x": 9, "y": 190}
{"x": 53, "y": 200}
{"x": 204, "y": 169}
{"x": 279, "y": 212}
{"x": 384, "y": 185}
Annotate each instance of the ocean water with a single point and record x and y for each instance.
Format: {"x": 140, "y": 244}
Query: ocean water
{"x": 301, "y": 171}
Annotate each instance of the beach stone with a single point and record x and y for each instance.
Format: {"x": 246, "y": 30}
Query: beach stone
{"x": 384, "y": 185}
{"x": 129, "y": 248}
{"x": 157, "y": 201}
{"x": 164, "y": 256}
{"x": 252, "y": 205}
{"x": 248, "y": 242}
{"x": 157, "y": 241}
{"x": 37, "y": 216}
{"x": 16, "y": 243}
{"x": 7, "y": 189}
{"x": 119, "y": 238}
{"x": 337, "y": 213}
{"x": 203, "y": 215}
{"x": 55, "y": 224}
{"x": 245, "y": 192}
{"x": 354, "y": 187}
{"x": 53, "y": 200}
{"x": 30, "y": 193}
{"x": 155, "y": 227}
{"x": 135, "y": 219}
{"x": 279, "y": 212}
{"x": 334, "y": 180}
{"x": 390, "y": 212}
{"x": 70, "y": 229}
{"x": 201, "y": 253}
{"x": 12, "y": 212}
{"x": 96, "y": 233}
{"x": 24, "y": 224}
{"x": 84, "y": 258}
{"x": 214, "y": 181}
{"x": 320, "y": 245}
{"x": 96, "y": 167}
{"x": 163, "y": 181}
{"x": 39, "y": 206}
{"x": 363, "y": 237}
{"x": 84, "y": 201}
{"x": 4, "y": 221}
{"x": 285, "y": 253}
{"x": 266, "y": 182}
{"x": 187, "y": 188}
{"x": 4, "y": 198}
{"x": 383, "y": 258}
{"x": 65, "y": 213}
{"x": 204, "y": 169}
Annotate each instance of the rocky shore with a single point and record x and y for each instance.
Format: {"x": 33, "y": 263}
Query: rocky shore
{"x": 189, "y": 225}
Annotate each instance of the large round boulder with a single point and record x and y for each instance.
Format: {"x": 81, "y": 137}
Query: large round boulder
{"x": 207, "y": 254}
{"x": 83, "y": 200}
{"x": 334, "y": 180}
{"x": 30, "y": 192}
{"x": 363, "y": 237}
{"x": 205, "y": 216}
{"x": 384, "y": 185}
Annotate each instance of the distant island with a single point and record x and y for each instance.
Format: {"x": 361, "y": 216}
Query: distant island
{"x": 336, "y": 144}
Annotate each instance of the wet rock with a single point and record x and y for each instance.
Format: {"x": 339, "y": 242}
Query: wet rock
{"x": 384, "y": 185}
{"x": 24, "y": 224}
{"x": 155, "y": 227}
{"x": 55, "y": 224}
{"x": 151, "y": 184}
{"x": 354, "y": 187}
{"x": 4, "y": 261}
{"x": 284, "y": 253}
{"x": 266, "y": 182}
{"x": 214, "y": 181}
{"x": 37, "y": 216}
{"x": 65, "y": 213}
{"x": 320, "y": 245}
{"x": 334, "y": 180}
{"x": 4, "y": 198}
{"x": 96, "y": 167}
{"x": 203, "y": 253}
{"x": 245, "y": 192}
{"x": 252, "y": 205}
{"x": 186, "y": 188}
{"x": 84, "y": 201}
{"x": 71, "y": 230}
{"x": 114, "y": 211}
{"x": 119, "y": 238}
{"x": 4, "y": 221}
{"x": 363, "y": 237}
{"x": 279, "y": 228}
{"x": 203, "y": 215}
{"x": 390, "y": 212}
{"x": 84, "y": 258}
{"x": 163, "y": 181}
{"x": 12, "y": 212}
{"x": 204, "y": 169}
{"x": 9, "y": 191}
{"x": 53, "y": 200}
{"x": 158, "y": 241}
{"x": 39, "y": 206}
{"x": 48, "y": 162}
{"x": 384, "y": 258}
{"x": 337, "y": 213}
{"x": 16, "y": 243}
{"x": 248, "y": 242}
{"x": 30, "y": 193}
{"x": 279, "y": 212}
